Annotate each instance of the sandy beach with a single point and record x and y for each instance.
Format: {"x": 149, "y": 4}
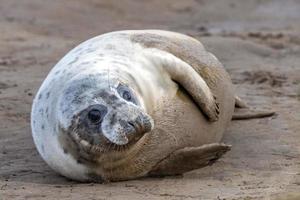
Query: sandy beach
{"x": 258, "y": 41}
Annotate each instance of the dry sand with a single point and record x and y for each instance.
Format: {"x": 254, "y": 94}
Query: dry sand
{"x": 257, "y": 40}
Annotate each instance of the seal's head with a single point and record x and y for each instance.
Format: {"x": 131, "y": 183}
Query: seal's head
{"x": 99, "y": 114}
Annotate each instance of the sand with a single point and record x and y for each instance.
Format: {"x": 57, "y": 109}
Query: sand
{"x": 258, "y": 41}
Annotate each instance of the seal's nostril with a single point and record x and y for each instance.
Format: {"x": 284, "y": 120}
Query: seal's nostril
{"x": 131, "y": 127}
{"x": 131, "y": 124}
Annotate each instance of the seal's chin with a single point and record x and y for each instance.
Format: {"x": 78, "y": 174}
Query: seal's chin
{"x": 105, "y": 145}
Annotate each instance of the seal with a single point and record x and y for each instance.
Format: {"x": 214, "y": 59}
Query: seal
{"x": 128, "y": 104}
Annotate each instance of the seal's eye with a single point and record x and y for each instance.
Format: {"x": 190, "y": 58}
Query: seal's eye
{"x": 126, "y": 95}
{"x": 95, "y": 116}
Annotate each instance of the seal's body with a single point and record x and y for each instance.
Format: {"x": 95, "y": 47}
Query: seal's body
{"x": 133, "y": 103}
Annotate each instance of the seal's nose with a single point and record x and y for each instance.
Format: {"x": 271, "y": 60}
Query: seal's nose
{"x": 128, "y": 126}
{"x": 127, "y": 132}
{"x": 125, "y": 124}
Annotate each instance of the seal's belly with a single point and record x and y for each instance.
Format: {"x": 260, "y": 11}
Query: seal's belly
{"x": 185, "y": 124}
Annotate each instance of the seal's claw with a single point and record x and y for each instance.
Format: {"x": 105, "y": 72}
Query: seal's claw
{"x": 217, "y": 109}
{"x": 217, "y": 105}
{"x": 213, "y": 112}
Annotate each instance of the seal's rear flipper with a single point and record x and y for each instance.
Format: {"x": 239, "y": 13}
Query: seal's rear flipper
{"x": 189, "y": 158}
{"x": 239, "y": 103}
{"x": 244, "y": 112}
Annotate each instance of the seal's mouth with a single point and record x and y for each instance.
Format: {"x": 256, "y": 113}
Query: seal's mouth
{"x": 104, "y": 145}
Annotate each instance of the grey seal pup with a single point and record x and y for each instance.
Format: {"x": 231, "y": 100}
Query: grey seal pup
{"x": 129, "y": 104}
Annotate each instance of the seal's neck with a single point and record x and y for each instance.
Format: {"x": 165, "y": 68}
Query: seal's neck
{"x": 127, "y": 164}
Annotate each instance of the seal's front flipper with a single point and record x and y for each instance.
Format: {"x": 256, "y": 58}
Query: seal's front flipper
{"x": 183, "y": 74}
{"x": 189, "y": 158}
{"x": 244, "y": 112}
